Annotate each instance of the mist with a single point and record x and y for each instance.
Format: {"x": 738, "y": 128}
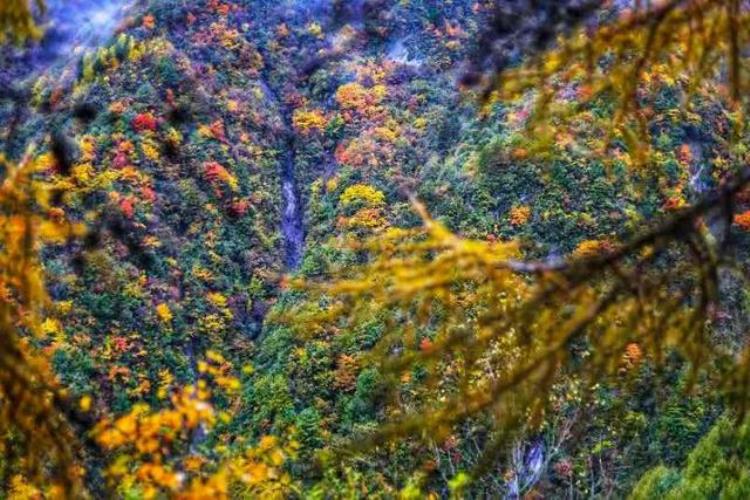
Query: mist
{"x": 71, "y": 28}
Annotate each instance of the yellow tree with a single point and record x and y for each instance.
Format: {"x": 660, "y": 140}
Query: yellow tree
{"x": 17, "y": 22}
{"x": 152, "y": 452}
{"x": 35, "y": 414}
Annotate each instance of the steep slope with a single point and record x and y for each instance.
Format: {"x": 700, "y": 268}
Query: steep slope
{"x": 205, "y": 129}
{"x": 179, "y": 175}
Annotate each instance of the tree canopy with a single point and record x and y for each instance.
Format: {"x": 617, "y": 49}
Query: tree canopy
{"x": 440, "y": 334}
{"x": 17, "y": 21}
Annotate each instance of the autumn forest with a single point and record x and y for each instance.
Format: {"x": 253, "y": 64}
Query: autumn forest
{"x": 374, "y": 249}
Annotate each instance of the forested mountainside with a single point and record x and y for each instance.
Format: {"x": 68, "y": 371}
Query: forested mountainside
{"x": 213, "y": 155}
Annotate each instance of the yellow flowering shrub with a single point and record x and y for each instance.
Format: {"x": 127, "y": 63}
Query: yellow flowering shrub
{"x": 305, "y": 121}
{"x": 386, "y": 134}
{"x": 367, "y": 218}
{"x": 519, "y": 215}
{"x": 352, "y": 96}
{"x": 217, "y": 299}
{"x": 164, "y": 313}
{"x": 51, "y": 327}
{"x": 212, "y": 323}
{"x": 150, "y": 149}
{"x": 362, "y": 194}
{"x": 591, "y": 248}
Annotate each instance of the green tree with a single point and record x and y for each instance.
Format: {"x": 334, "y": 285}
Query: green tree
{"x": 718, "y": 467}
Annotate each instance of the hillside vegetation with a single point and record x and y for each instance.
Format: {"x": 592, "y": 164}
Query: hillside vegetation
{"x": 342, "y": 249}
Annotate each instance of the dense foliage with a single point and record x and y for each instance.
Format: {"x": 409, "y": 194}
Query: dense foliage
{"x": 522, "y": 278}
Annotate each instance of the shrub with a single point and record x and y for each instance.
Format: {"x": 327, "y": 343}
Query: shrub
{"x": 362, "y": 194}
{"x": 144, "y": 121}
{"x": 743, "y": 220}
{"x": 305, "y": 121}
